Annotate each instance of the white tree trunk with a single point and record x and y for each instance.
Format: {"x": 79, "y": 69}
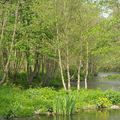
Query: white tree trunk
{"x": 78, "y": 81}
{"x": 61, "y": 70}
{"x": 87, "y": 65}
{"x": 11, "y": 46}
{"x": 68, "y": 69}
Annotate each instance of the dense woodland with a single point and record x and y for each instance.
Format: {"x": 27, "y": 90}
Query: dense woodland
{"x": 57, "y": 42}
{"x": 59, "y": 58}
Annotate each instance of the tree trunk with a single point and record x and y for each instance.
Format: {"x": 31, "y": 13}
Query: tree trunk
{"x": 11, "y": 47}
{"x": 78, "y": 81}
{"x": 87, "y": 65}
{"x": 61, "y": 70}
{"x": 47, "y": 73}
{"x": 2, "y": 36}
{"x": 68, "y": 70}
{"x": 59, "y": 55}
{"x": 43, "y": 69}
{"x": 79, "y": 66}
{"x": 3, "y": 27}
{"x": 32, "y": 73}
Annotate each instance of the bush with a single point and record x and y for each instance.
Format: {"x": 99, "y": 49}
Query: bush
{"x": 103, "y": 102}
{"x": 113, "y": 96}
{"x": 42, "y": 98}
{"x": 87, "y": 97}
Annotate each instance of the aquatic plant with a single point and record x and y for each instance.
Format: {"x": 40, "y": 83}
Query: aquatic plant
{"x": 64, "y": 104}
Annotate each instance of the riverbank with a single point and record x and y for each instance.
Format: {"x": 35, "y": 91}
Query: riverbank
{"x": 22, "y": 103}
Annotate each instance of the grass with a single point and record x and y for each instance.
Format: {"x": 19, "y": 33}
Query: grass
{"x": 22, "y": 103}
{"x": 64, "y": 104}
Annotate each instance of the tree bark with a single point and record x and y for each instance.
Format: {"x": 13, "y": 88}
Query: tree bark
{"x": 87, "y": 66}
{"x": 43, "y": 69}
{"x": 3, "y": 28}
{"x": 61, "y": 70}
{"x": 79, "y": 66}
{"x": 78, "y": 81}
{"x": 11, "y": 46}
{"x": 32, "y": 73}
{"x": 58, "y": 49}
{"x": 3, "y": 24}
{"x": 68, "y": 69}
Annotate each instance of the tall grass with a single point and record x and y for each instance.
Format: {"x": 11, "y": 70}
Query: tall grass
{"x": 64, "y": 104}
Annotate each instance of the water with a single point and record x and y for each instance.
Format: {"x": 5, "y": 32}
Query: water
{"x": 83, "y": 115}
{"x": 101, "y": 83}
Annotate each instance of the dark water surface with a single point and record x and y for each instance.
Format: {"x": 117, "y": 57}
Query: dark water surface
{"x": 83, "y": 115}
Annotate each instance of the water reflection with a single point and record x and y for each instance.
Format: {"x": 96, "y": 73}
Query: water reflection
{"x": 83, "y": 115}
{"x": 101, "y": 83}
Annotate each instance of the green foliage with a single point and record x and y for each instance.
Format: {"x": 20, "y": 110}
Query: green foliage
{"x": 24, "y": 103}
{"x": 42, "y": 98}
{"x": 56, "y": 83}
{"x": 103, "y": 102}
{"x": 20, "y": 79}
{"x": 17, "y": 102}
{"x": 64, "y": 104}
{"x": 113, "y": 77}
{"x": 113, "y": 96}
{"x": 87, "y": 97}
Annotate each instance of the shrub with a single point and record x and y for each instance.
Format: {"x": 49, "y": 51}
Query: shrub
{"x": 103, "y": 102}
{"x": 113, "y": 96}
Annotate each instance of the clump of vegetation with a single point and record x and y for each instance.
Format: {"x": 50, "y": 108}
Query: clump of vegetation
{"x": 21, "y": 103}
{"x": 113, "y": 96}
{"x": 113, "y": 77}
{"x": 103, "y": 102}
{"x": 64, "y": 104}
{"x": 9, "y": 115}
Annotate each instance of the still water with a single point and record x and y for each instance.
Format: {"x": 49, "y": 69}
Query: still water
{"x": 101, "y": 83}
{"x": 83, "y": 115}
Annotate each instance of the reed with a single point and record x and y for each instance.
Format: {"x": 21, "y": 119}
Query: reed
{"x": 64, "y": 104}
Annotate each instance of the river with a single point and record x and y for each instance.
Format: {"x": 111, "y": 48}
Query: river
{"x": 99, "y": 82}
{"x": 83, "y": 115}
